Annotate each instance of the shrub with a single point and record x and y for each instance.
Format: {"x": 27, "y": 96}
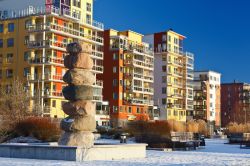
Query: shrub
{"x": 234, "y": 127}
{"x": 41, "y": 128}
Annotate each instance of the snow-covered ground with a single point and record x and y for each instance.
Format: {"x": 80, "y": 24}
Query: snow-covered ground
{"x": 216, "y": 153}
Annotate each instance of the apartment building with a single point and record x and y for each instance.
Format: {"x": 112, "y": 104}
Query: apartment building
{"x": 235, "y": 103}
{"x": 128, "y": 76}
{"x": 33, "y": 45}
{"x": 173, "y": 75}
{"x": 207, "y": 97}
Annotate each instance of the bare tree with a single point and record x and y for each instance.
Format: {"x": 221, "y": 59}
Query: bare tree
{"x": 14, "y": 102}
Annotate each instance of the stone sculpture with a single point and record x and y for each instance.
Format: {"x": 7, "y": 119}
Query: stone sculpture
{"x": 78, "y": 127}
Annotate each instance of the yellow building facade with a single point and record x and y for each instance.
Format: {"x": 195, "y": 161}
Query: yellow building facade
{"x": 34, "y": 45}
{"x": 173, "y": 76}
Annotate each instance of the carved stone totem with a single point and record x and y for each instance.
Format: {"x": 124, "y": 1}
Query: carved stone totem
{"x": 78, "y": 127}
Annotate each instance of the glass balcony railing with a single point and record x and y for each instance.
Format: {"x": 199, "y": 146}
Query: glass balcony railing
{"x": 67, "y": 31}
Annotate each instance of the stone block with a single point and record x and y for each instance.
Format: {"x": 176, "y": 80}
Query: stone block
{"x": 79, "y": 107}
{"x": 74, "y": 93}
{"x": 82, "y": 61}
{"x": 80, "y": 139}
{"x": 74, "y": 48}
{"x": 79, "y": 123}
{"x": 86, "y": 47}
{"x": 79, "y": 77}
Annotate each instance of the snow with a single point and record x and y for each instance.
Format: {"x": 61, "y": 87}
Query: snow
{"x": 215, "y": 153}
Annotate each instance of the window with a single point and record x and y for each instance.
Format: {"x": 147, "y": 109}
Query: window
{"x": 211, "y": 96}
{"x": 89, "y": 7}
{"x": 114, "y": 69}
{"x": 115, "y": 56}
{"x": 10, "y": 42}
{"x": 137, "y": 110}
{"x": 164, "y": 57}
{"x": 115, "y": 82}
{"x": 54, "y": 103}
{"x": 115, "y": 109}
{"x": 164, "y": 79}
{"x": 9, "y": 58}
{"x": 211, "y": 104}
{"x": 26, "y": 40}
{"x": 175, "y": 41}
{"x": 1, "y": 43}
{"x": 11, "y": 27}
{"x": 1, "y": 58}
{"x": 164, "y": 90}
{"x": 129, "y": 110}
{"x": 164, "y": 38}
{"x": 88, "y": 18}
{"x": 115, "y": 97}
{"x": 164, "y": 68}
{"x": 169, "y": 38}
{"x": 1, "y": 28}
{"x": 26, "y": 72}
{"x": 0, "y": 74}
{"x": 27, "y": 24}
{"x": 121, "y": 82}
{"x": 164, "y": 101}
{"x": 26, "y": 56}
{"x": 9, "y": 73}
{"x": 121, "y": 56}
{"x": 120, "y": 96}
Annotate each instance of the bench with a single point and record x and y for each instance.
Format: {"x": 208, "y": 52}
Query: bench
{"x": 184, "y": 140}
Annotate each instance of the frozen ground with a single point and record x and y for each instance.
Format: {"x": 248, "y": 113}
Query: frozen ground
{"x": 216, "y": 153}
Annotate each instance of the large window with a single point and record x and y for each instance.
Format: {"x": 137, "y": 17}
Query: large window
{"x": 1, "y": 28}
{"x": 9, "y": 58}
{"x": 10, "y": 42}
{"x": 11, "y": 27}
{"x": 1, "y": 43}
{"x": 26, "y": 72}
{"x": 89, "y": 7}
{"x": 26, "y": 56}
{"x": 1, "y": 58}
{"x": 9, "y": 73}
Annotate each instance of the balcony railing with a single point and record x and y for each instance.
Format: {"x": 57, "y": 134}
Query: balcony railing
{"x": 47, "y": 77}
{"x": 47, "y": 61}
{"x": 65, "y": 30}
{"x": 47, "y": 44}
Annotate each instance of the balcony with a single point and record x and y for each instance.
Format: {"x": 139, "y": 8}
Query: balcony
{"x": 97, "y": 54}
{"x": 66, "y": 31}
{"x": 175, "y": 63}
{"x": 149, "y": 90}
{"x": 138, "y": 88}
{"x": 47, "y": 61}
{"x": 142, "y": 102}
{"x": 176, "y": 95}
{"x": 143, "y": 64}
{"x": 97, "y": 69}
{"x": 149, "y": 78}
{"x": 47, "y": 44}
{"x": 200, "y": 107}
{"x": 138, "y": 75}
{"x": 47, "y": 78}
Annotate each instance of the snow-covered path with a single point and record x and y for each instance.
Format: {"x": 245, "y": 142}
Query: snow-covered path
{"x": 216, "y": 153}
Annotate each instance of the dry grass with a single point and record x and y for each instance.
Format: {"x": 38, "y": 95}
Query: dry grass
{"x": 41, "y": 128}
{"x": 165, "y": 127}
{"x": 238, "y": 128}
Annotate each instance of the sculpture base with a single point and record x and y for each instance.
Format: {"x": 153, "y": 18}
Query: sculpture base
{"x": 71, "y": 153}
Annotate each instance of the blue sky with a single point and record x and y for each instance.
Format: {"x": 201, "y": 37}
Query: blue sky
{"x": 217, "y": 31}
